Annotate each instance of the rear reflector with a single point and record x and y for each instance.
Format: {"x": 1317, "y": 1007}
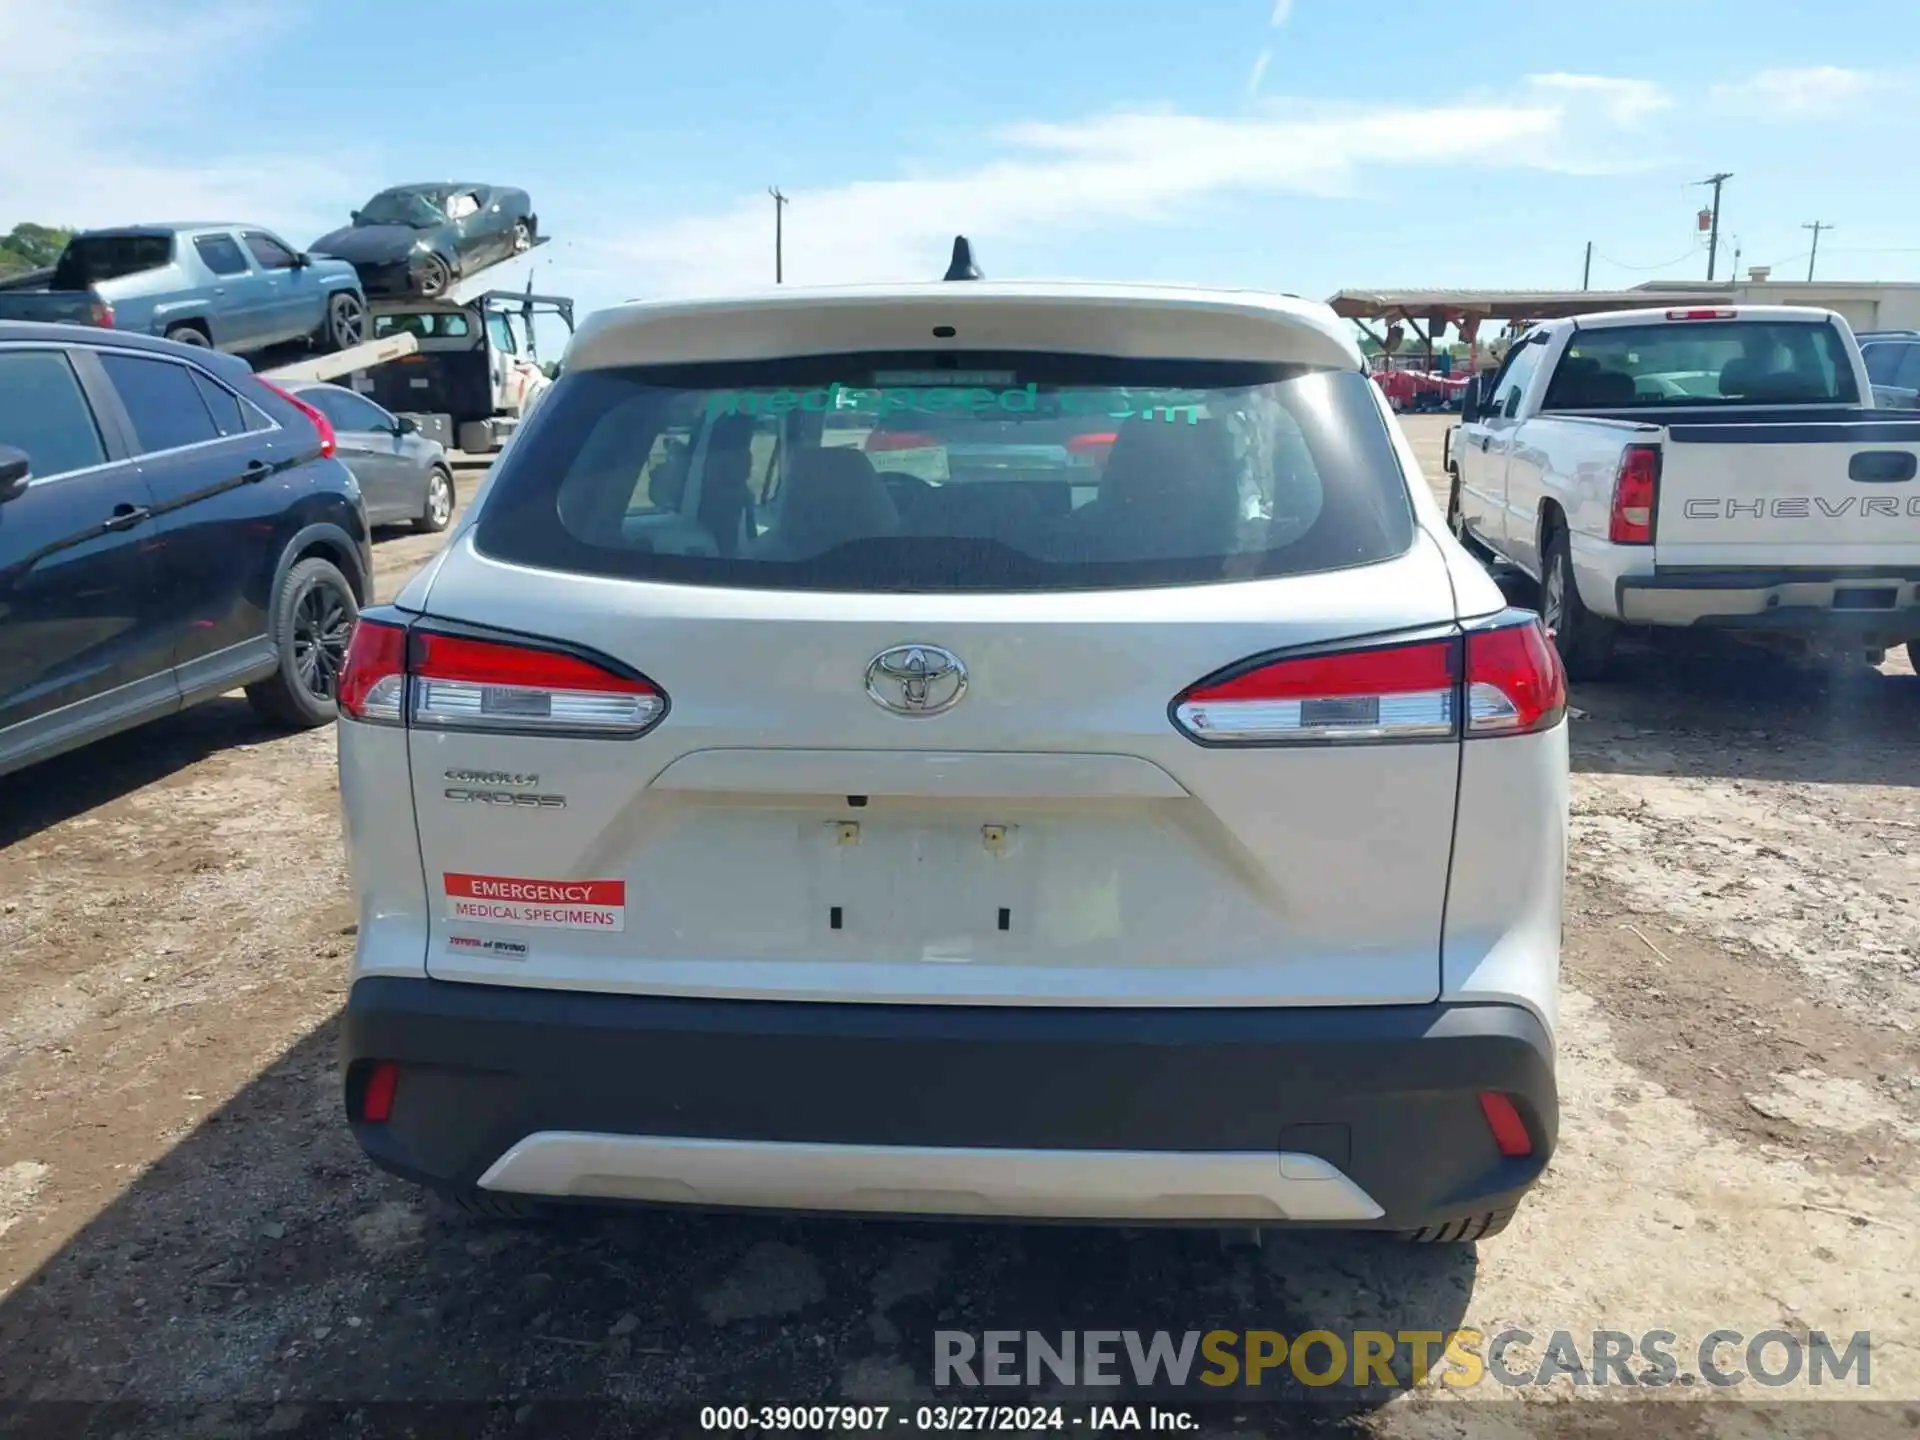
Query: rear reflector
{"x": 1499, "y": 678}
{"x": 1509, "y": 1130}
{"x": 376, "y": 1101}
{"x": 432, "y": 679}
{"x": 1636, "y": 491}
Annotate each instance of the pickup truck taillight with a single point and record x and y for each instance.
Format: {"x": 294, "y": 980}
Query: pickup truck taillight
{"x": 1636, "y": 491}
{"x": 100, "y": 313}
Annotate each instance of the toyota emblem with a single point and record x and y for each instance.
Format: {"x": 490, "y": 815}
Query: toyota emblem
{"x": 916, "y": 680}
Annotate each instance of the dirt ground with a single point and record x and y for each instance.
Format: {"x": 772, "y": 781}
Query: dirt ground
{"x": 185, "y": 1220}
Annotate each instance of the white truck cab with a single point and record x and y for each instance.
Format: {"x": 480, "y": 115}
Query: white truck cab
{"x": 1720, "y": 467}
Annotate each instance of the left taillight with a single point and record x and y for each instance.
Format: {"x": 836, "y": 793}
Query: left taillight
{"x": 1498, "y": 678}
{"x": 323, "y": 426}
{"x": 432, "y": 679}
{"x": 373, "y": 681}
{"x": 1636, "y": 494}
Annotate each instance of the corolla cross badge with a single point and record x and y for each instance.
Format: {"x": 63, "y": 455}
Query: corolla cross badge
{"x": 916, "y": 680}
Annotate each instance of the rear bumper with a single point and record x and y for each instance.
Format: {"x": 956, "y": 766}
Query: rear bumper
{"x": 1883, "y": 603}
{"x": 1356, "y": 1116}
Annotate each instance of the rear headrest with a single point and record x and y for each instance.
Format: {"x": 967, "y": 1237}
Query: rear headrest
{"x": 1610, "y": 387}
{"x": 1737, "y": 377}
{"x": 1169, "y": 464}
{"x": 833, "y": 495}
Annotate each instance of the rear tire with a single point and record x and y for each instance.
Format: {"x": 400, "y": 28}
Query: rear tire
{"x": 1456, "y": 1232}
{"x": 190, "y": 335}
{"x": 436, "y": 277}
{"x": 1585, "y": 640}
{"x": 346, "y": 322}
{"x": 313, "y": 618}
{"x": 1456, "y": 521}
{"x": 1913, "y": 655}
{"x": 440, "y": 499}
{"x": 486, "y": 1205}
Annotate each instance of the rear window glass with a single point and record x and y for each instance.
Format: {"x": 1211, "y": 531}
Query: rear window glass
{"x": 427, "y": 324}
{"x": 911, "y": 474}
{"x": 91, "y": 259}
{"x": 1737, "y": 362}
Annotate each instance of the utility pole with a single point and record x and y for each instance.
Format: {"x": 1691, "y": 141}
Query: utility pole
{"x": 779, "y": 205}
{"x": 1713, "y": 241}
{"x": 1816, "y": 227}
{"x": 1586, "y": 271}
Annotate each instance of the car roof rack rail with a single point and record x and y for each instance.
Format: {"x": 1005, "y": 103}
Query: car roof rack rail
{"x": 962, "y": 266}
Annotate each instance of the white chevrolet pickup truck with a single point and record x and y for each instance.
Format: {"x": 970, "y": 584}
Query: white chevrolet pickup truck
{"x": 1721, "y": 468}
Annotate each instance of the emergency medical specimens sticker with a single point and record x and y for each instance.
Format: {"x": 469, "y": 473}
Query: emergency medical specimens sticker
{"x": 542, "y": 904}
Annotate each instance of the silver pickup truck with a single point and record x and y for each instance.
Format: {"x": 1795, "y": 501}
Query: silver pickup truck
{"x": 237, "y": 288}
{"x": 1714, "y": 467}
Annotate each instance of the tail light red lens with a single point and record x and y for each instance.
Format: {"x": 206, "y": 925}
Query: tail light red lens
{"x": 1515, "y": 681}
{"x": 373, "y": 680}
{"x": 879, "y": 440}
{"x": 1500, "y": 678}
{"x": 431, "y": 679}
{"x": 464, "y": 683}
{"x": 100, "y": 313}
{"x": 1509, "y": 1130}
{"x": 1636, "y": 491}
{"x": 1391, "y": 692}
{"x": 329, "y": 442}
{"x": 1700, "y": 314}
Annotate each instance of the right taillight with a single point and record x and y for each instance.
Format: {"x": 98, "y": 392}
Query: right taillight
{"x": 428, "y": 678}
{"x": 1636, "y": 492}
{"x": 328, "y": 440}
{"x": 1501, "y": 677}
{"x": 1515, "y": 682}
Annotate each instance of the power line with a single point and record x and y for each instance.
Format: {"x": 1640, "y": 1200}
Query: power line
{"x": 1663, "y": 265}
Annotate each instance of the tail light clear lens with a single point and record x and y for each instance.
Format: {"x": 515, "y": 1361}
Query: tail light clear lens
{"x": 329, "y": 442}
{"x": 434, "y": 680}
{"x": 1636, "y": 490}
{"x": 1389, "y": 693}
{"x": 1500, "y": 678}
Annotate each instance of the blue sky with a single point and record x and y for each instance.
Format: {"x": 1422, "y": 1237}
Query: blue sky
{"x": 1316, "y": 145}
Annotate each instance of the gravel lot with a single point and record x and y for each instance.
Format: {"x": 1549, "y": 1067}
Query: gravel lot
{"x": 183, "y": 1217}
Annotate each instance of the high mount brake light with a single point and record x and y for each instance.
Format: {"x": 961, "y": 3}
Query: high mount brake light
{"x": 882, "y": 440}
{"x": 1700, "y": 315}
{"x": 329, "y": 442}
{"x": 433, "y": 680}
{"x": 1511, "y": 678}
{"x": 1636, "y": 494}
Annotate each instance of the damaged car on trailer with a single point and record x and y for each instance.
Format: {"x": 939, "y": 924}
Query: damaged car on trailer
{"x": 423, "y": 239}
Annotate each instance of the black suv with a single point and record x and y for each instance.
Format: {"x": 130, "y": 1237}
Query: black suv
{"x": 171, "y": 526}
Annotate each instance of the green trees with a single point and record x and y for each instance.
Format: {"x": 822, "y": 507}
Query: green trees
{"x": 31, "y": 247}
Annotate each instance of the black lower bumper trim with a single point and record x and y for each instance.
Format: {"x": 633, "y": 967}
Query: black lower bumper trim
{"x": 1390, "y": 1094}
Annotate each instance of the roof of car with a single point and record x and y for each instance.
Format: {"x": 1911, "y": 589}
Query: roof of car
{"x": 1015, "y": 315}
{"x": 228, "y": 367}
{"x": 170, "y": 227}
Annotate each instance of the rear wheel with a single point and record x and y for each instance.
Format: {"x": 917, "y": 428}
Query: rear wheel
{"x": 346, "y": 324}
{"x": 1584, "y": 640}
{"x": 439, "y": 512}
{"x": 1454, "y": 1232}
{"x": 190, "y": 335}
{"x": 1913, "y": 655}
{"x": 1456, "y": 521}
{"x": 313, "y": 618}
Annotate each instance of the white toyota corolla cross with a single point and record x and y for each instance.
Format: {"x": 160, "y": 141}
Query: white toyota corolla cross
{"x": 959, "y": 749}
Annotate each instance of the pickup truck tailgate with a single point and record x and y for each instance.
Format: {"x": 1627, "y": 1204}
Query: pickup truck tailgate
{"x": 1828, "y": 495}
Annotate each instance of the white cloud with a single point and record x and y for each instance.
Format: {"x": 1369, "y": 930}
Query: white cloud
{"x": 1059, "y": 178}
{"x": 1260, "y": 63}
{"x": 1623, "y": 101}
{"x": 1810, "y": 92}
{"x": 1282, "y": 12}
{"x": 95, "y": 91}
